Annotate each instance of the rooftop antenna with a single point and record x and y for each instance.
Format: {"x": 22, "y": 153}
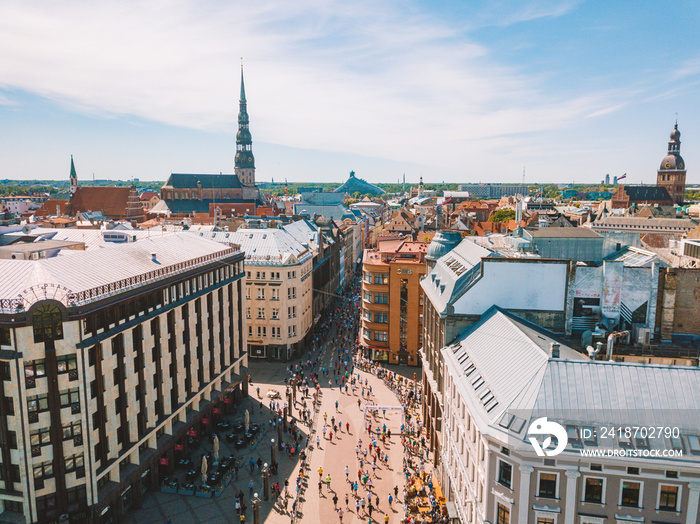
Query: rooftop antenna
{"x": 523, "y": 175}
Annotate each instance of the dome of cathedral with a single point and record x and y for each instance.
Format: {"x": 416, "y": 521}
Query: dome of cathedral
{"x": 672, "y": 162}
{"x": 443, "y": 242}
{"x": 675, "y": 134}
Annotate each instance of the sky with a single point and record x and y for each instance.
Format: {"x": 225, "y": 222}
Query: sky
{"x": 451, "y": 90}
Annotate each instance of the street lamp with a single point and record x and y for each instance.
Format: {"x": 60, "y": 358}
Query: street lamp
{"x": 273, "y": 452}
{"x": 266, "y": 481}
{"x": 256, "y": 509}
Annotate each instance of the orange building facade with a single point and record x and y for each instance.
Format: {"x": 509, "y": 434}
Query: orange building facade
{"x": 392, "y": 301}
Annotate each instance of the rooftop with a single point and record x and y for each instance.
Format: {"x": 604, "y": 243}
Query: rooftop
{"x": 81, "y": 277}
{"x": 562, "y": 232}
{"x": 506, "y": 373}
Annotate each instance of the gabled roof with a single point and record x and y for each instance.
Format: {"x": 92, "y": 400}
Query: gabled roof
{"x": 453, "y": 273}
{"x": 111, "y": 201}
{"x": 147, "y": 195}
{"x": 189, "y": 181}
{"x": 504, "y": 370}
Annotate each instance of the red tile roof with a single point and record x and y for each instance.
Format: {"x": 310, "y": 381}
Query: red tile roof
{"x": 112, "y": 201}
{"x": 48, "y": 208}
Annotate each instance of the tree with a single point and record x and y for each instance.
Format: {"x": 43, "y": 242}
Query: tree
{"x": 502, "y": 215}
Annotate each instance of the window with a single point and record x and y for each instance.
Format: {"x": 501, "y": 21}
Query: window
{"x": 74, "y": 462}
{"x": 247, "y": 313}
{"x": 292, "y": 292}
{"x": 367, "y": 315}
{"x": 262, "y": 331}
{"x": 505, "y": 473}
{"x": 630, "y": 493}
{"x": 261, "y": 313}
{"x": 292, "y": 331}
{"x": 593, "y": 490}
{"x": 502, "y": 514}
{"x": 381, "y": 336}
{"x": 368, "y": 296}
{"x": 69, "y": 396}
{"x": 545, "y": 520}
{"x": 261, "y": 293}
{"x": 275, "y": 294}
{"x": 292, "y": 312}
{"x": 250, "y": 331}
{"x": 276, "y": 332}
{"x": 548, "y": 485}
{"x": 381, "y": 317}
{"x": 247, "y": 292}
{"x": 381, "y": 278}
{"x": 275, "y": 313}
{"x": 366, "y": 333}
{"x": 5, "y": 339}
{"x": 47, "y": 323}
{"x": 381, "y": 298}
{"x": 72, "y": 430}
{"x": 40, "y": 437}
{"x": 694, "y": 444}
{"x": 668, "y": 497}
{"x": 35, "y": 368}
{"x": 37, "y": 404}
{"x": 291, "y": 274}
{"x": 43, "y": 470}
{"x": 66, "y": 363}
{"x": 368, "y": 277}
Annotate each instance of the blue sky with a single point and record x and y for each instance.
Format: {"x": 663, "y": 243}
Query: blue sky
{"x": 452, "y": 90}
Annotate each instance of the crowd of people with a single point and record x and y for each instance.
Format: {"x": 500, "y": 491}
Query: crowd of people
{"x": 334, "y": 360}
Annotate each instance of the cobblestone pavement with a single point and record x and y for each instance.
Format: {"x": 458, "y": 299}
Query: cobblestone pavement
{"x": 333, "y": 456}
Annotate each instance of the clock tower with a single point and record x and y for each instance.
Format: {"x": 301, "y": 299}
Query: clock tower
{"x": 244, "y": 161}
{"x": 671, "y": 173}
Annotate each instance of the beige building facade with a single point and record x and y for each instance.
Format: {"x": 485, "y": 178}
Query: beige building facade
{"x": 109, "y": 359}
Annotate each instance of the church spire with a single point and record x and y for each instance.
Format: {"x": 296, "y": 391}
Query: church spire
{"x": 73, "y": 177}
{"x": 244, "y": 161}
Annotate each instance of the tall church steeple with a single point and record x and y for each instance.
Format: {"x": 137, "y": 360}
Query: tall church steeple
{"x": 244, "y": 162}
{"x": 73, "y": 177}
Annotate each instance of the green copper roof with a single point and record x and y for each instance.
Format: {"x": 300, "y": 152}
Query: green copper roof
{"x": 72, "y": 168}
{"x": 244, "y": 158}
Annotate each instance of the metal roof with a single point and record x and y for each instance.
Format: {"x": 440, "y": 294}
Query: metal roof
{"x": 453, "y": 273}
{"x": 267, "y": 246}
{"x": 334, "y": 212}
{"x": 78, "y": 271}
{"x": 504, "y": 371}
{"x": 562, "y": 232}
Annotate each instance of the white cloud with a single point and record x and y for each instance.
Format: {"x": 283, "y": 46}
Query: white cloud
{"x": 376, "y": 79}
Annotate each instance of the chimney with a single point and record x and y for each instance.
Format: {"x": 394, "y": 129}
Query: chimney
{"x": 554, "y": 347}
{"x": 153, "y": 257}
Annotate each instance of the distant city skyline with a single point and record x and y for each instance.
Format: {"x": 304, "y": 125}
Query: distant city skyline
{"x": 454, "y": 92}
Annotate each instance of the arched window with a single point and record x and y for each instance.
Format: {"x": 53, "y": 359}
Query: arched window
{"x": 47, "y": 323}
